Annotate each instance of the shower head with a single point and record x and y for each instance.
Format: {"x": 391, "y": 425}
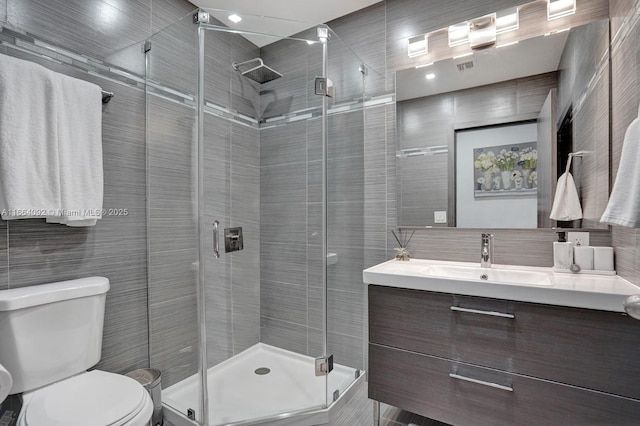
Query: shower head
{"x": 260, "y": 73}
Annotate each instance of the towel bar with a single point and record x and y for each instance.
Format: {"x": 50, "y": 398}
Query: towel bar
{"x": 106, "y": 96}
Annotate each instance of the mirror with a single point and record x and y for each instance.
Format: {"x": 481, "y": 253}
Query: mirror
{"x": 482, "y": 139}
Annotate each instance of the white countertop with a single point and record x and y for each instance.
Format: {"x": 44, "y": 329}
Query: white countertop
{"x": 577, "y": 290}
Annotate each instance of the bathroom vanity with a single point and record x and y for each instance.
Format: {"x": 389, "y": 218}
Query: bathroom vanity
{"x": 553, "y": 349}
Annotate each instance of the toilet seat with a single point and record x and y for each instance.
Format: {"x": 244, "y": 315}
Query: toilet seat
{"x": 93, "y": 398}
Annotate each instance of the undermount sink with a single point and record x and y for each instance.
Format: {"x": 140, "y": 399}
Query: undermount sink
{"x": 490, "y": 275}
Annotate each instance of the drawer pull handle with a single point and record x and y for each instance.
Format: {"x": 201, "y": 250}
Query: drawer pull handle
{"x": 481, "y": 382}
{"x": 476, "y": 311}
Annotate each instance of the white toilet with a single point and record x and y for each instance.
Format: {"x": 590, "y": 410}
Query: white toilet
{"x": 50, "y": 335}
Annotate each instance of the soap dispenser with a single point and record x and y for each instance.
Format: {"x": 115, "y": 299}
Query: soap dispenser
{"x": 562, "y": 252}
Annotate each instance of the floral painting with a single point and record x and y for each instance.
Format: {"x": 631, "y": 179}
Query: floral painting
{"x": 505, "y": 170}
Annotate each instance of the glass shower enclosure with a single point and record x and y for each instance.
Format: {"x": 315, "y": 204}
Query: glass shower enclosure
{"x": 254, "y": 152}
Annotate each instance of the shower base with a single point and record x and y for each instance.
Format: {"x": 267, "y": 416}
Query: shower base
{"x": 264, "y": 385}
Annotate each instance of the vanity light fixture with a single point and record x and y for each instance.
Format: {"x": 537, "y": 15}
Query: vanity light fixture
{"x": 234, "y": 18}
{"x": 430, "y": 76}
{"x": 559, "y": 8}
{"x": 507, "y": 20}
{"x": 458, "y": 34}
{"x": 418, "y": 45}
{"x": 482, "y": 31}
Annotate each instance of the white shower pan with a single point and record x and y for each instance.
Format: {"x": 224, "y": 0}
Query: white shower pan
{"x": 240, "y": 393}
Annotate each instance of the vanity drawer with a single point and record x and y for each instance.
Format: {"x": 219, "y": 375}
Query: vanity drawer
{"x": 587, "y": 348}
{"x": 423, "y": 384}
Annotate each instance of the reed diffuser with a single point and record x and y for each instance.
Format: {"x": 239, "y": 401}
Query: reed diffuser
{"x": 402, "y": 252}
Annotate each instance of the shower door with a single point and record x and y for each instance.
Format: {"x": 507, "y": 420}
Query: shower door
{"x": 246, "y": 173}
{"x": 264, "y": 303}
{"x": 172, "y": 216}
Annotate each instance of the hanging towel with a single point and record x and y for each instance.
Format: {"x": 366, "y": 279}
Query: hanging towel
{"x": 566, "y": 204}
{"x": 624, "y": 203}
{"x": 29, "y": 172}
{"x": 50, "y": 145}
{"x": 79, "y": 114}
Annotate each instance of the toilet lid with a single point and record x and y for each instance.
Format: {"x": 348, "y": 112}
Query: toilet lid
{"x": 93, "y": 398}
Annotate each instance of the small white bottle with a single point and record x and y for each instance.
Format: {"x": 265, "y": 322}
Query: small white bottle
{"x": 562, "y": 252}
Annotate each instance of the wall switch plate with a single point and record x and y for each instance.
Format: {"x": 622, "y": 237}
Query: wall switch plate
{"x": 578, "y": 238}
{"x": 440, "y": 217}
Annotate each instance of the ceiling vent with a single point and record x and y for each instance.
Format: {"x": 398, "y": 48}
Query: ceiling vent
{"x": 465, "y": 66}
{"x": 482, "y": 31}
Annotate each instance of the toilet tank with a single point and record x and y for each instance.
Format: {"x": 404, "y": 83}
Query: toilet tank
{"x": 51, "y": 331}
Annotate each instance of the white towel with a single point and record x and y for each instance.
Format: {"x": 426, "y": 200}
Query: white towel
{"x": 566, "y": 204}
{"x": 79, "y": 151}
{"x": 624, "y": 203}
{"x": 50, "y": 145}
{"x": 29, "y": 172}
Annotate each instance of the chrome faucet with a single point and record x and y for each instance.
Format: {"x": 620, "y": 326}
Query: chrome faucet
{"x": 486, "y": 250}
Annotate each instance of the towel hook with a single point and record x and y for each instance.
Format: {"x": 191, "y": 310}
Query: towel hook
{"x": 579, "y": 153}
{"x": 106, "y": 96}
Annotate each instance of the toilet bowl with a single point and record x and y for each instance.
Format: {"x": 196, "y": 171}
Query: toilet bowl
{"x": 51, "y": 335}
{"x": 93, "y": 398}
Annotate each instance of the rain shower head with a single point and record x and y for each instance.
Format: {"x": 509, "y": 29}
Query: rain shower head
{"x": 259, "y": 73}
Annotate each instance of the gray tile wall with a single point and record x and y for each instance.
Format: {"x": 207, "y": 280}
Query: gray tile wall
{"x": 291, "y": 202}
{"x": 33, "y": 252}
{"x": 625, "y": 97}
{"x": 579, "y": 63}
{"x": 172, "y": 251}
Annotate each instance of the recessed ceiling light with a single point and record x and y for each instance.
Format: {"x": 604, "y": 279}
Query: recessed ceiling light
{"x": 235, "y": 18}
{"x": 430, "y": 76}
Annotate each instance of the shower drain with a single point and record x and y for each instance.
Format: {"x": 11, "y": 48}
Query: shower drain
{"x": 262, "y": 371}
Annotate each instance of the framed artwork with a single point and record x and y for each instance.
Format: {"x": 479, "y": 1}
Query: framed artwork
{"x": 505, "y": 170}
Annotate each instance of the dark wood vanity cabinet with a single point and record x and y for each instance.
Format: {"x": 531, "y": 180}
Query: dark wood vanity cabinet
{"x": 475, "y": 361}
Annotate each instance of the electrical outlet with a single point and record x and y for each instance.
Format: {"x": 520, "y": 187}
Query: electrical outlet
{"x": 578, "y": 238}
{"x": 440, "y": 217}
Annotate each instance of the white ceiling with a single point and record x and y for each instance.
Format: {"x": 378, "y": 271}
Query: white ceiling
{"x": 307, "y": 12}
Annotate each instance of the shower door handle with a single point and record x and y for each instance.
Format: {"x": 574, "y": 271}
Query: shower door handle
{"x": 216, "y": 240}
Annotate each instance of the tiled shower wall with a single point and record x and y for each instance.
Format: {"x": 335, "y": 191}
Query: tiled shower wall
{"x": 33, "y": 252}
{"x": 291, "y": 203}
